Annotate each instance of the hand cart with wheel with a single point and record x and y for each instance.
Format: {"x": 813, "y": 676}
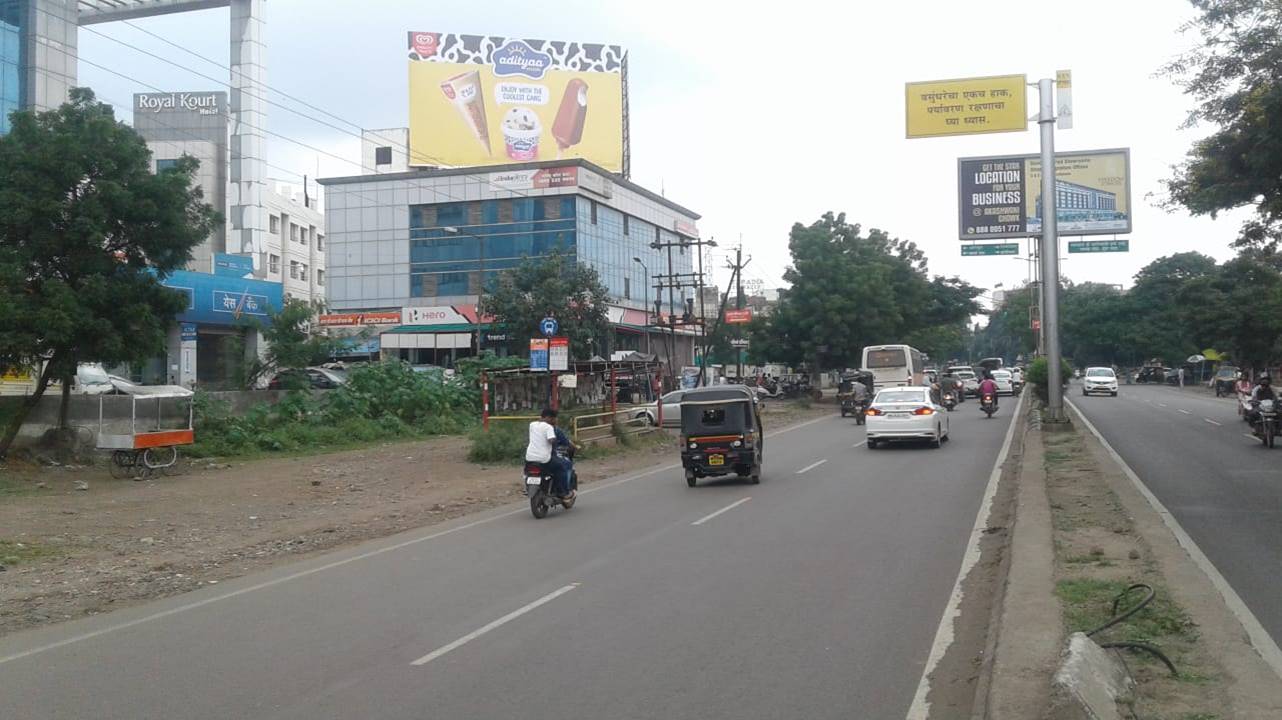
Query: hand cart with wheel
{"x": 144, "y": 432}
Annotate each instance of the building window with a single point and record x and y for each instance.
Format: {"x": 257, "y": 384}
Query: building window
{"x": 627, "y": 287}
{"x": 293, "y": 232}
{"x": 383, "y": 155}
{"x": 275, "y": 225}
{"x": 594, "y": 212}
{"x": 162, "y": 165}
{"x": 302, "y": 271}
{"x": 320, "y": 277}
{"x": 320, "y": 243}
{"x": 293, "y": 269}
{"x": 626, "y": 227}
{"x": 273, "y": 264}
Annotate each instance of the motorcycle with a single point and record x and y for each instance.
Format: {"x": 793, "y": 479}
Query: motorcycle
{"x": 950, "y": 401}
{"x": 988, "y": 404}
{"x": 1265, "y": 421}
{"x": 538, "y": 485}
{"x": 861, "y": 410}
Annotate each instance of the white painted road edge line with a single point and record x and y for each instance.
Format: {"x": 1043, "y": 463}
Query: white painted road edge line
{"x": 812, "y": 466}
{"x": 1186, "y": 412}
{"x": 497, "y": 623}
{"x": 1211, "y": 421}
{"x": 337, "y": 563}
{"x": 920, "y": 709}
{"x": 1260, "y": 638}
{"x": 731, "y": 506}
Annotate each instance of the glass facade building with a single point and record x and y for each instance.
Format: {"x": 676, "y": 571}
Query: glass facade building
{"x": 11, "y": 63}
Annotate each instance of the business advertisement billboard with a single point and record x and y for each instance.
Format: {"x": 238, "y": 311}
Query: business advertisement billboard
{"x": 1001, "y": 196}
{"x": 487, "y": 100}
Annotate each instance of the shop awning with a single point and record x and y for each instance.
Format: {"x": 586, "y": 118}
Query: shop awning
{"x": 446, "y": 328}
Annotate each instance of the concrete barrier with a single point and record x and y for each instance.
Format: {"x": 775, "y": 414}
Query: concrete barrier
{"x": 1089, "y": 683}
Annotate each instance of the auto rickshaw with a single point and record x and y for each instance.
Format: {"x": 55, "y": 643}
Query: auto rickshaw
{"x": 721, "y": 433}
{"x": 846, "y": 394}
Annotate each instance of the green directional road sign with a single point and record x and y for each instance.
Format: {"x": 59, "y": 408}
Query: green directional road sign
{"x": 1096, "y": 246}
{"x": 990, "y": 249}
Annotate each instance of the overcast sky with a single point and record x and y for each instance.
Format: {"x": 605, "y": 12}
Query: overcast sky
{"x": 754, "y": 121}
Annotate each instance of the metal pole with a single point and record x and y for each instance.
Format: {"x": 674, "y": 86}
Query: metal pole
{"x": 1050, "y": 252}
{"x": 703, "y": 320}
{"x": 646, "y": 269}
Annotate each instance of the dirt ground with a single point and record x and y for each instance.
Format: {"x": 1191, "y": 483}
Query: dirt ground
{"x": 1099, "y": 554}
{"x": 66, "y": 553}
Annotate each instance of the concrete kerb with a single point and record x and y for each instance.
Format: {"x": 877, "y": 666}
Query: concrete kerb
{"x": 1026, "y": 636}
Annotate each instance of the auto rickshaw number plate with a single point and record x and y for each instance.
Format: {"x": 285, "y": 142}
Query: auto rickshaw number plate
{"x": 716, "y": 459}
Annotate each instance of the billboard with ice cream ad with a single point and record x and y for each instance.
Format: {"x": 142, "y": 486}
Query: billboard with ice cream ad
{"x": 486, "y": 100}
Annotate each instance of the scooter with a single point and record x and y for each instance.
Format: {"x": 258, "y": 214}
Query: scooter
{"x": 988, "y": 404}
{"x": 538, "y": 485}
{"x": 950, "y": 401}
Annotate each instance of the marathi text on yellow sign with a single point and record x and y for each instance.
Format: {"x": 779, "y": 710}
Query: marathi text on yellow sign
{"x": 966, "y": 106}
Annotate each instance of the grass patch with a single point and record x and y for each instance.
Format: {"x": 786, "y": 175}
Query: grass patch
{"x": 11, "y": 486}
{"x": 503, "y": 443}
{"x": 18, "y": 553}
{"x": 1088, "y": 604}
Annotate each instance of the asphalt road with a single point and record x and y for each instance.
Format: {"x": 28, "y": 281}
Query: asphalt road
{"x": 815, "y": 594}
{"x": 1224, "y": 488}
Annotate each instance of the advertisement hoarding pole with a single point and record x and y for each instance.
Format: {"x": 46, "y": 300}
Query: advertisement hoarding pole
{"x": 1050, "y": 253}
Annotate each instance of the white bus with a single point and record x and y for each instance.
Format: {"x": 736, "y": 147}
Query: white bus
{"x": 894, "y": 365}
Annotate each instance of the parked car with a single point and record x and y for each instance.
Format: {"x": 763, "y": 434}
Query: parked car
{"x": 671, "y": 410}
{"x": 1100, "y": 380}
{"x": 313, "y": 377}
{"x": 906, "y": 413}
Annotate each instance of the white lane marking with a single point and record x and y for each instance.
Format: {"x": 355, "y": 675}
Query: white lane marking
{"x": 1161, "y": 404}
{"x": 1260, "y": 638}
{"x": 861, "y": 443}
{"x": 920, "y": 709}
{"x": 1186, "y": 412}
{"x": 812, "y": 466}
{"x": 497, "y": 623}
{"x": 1211, "y": 421}
{"x": 729, "y": 507}
{"x": 337, "y": 563}
{"x": 1249, "y": 436}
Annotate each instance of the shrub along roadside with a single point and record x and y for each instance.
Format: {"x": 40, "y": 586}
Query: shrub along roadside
{"x": 1040, "y": 370}
{"x": 382, "y": 401}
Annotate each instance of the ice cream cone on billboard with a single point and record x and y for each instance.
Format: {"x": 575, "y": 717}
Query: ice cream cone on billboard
{"x": 567, "y": 129}
{"x": 465, "y": 90}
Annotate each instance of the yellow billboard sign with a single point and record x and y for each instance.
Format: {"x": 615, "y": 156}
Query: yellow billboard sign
{"x": 967, "y": 106}
{"x": 484, "y": 100}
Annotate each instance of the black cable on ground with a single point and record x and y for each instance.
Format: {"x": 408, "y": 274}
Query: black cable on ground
{"x": 1120, "y": 617}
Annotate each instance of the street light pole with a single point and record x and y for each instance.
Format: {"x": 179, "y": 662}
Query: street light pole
{"x": 637, "y": 260}
{"x": 480, "y": 285}
{"x": 1050, "y": 252}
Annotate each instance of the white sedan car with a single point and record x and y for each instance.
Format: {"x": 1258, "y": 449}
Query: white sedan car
{"x": 1005, "y": 382}
{"x": 1100, "y": 380}
{"x": 906, "y": 413}
{"x": 671, "y": 410}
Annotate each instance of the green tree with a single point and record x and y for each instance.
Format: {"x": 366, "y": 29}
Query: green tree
{"x": 290, "y": 341}
{"x": 850, "y": 289}
{"x": 551, "y": 286}
{"x": 1094, "y": 322}
{"x": 1235, "y": 78}
{"x": 1157, "y": 328}
{"x": 86, "y": 233}
{"x": 1008, "y": 332}
{"x": 1239, "y": 307}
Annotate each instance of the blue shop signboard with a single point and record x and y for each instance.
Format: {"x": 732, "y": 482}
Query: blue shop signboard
{"x": 223, "y": 300}
{"x": 237, "y": 266}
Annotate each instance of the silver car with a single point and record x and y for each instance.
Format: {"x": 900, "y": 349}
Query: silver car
{"x": 671, "y": 410}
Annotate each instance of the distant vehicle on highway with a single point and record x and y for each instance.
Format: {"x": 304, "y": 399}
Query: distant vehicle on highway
{"x": 1224, "y": 380}
{"x": 970, "y": 381}
{"x": 1099, "y": 380}
{"x": 906, "y": 413}
{"x": 991, "y": 364}
{"x": 1005, "y": 383}
{"x": 894, "y": 365}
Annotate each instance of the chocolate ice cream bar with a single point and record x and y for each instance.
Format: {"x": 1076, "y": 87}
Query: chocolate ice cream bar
{"x": 567, "y": 129}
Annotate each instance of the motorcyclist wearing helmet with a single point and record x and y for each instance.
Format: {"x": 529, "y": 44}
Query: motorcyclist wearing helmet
{"x": 1263, "y": 390}
{"x": 988, "y": 387}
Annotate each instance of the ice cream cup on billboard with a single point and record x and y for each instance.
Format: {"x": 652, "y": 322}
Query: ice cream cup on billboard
{"x": 465, "y": 90}
{"x": 521, "y": 130}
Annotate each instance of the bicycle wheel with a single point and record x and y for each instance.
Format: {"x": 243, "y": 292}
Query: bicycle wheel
{"x": 160, "y": 458}
{"x": 123, "y": 464}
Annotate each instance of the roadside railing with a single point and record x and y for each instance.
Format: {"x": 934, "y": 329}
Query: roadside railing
{"x": 593, "y": 427}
